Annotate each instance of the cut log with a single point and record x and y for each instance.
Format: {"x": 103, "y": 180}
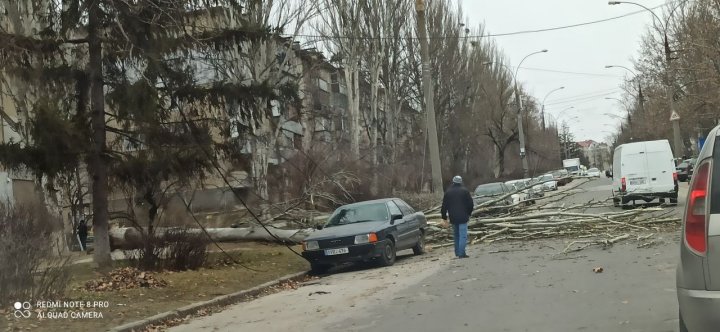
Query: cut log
{"x": 130, "y": 238}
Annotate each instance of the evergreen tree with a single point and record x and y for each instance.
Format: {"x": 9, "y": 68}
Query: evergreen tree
{"x": 132, "y": 90}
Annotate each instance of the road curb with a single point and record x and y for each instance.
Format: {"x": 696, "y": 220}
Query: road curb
{"x": 195, "y": 307}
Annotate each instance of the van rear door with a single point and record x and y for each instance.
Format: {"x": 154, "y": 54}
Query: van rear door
{"x": 635, "y": 168}
{"x": 660, "y": 167}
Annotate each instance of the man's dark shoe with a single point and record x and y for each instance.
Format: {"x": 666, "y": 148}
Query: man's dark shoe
{"x": 464, "y": 256}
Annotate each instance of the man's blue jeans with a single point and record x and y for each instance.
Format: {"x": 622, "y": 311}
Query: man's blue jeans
{"x": 460, "y": 238}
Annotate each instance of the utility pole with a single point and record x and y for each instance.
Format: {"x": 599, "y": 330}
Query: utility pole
{"x": 521, "y": 133}
{"x": 674, "y": 116}
{"x": 429, "y": 99}
{"x": 518, "y": 101}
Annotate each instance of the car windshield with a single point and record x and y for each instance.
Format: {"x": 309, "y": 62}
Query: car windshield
{"x": 351, "y": 214}
{"x": 546, "y": 177}
{"x": 491, "y": 189}
{"x": 593, "y": 170}
{"x": 683, "y": 165}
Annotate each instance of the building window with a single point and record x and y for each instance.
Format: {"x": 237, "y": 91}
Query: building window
{"x": 323, "y": 85}
{"x": 343, "y": 89}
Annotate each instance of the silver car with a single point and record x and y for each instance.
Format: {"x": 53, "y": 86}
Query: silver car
{"x": 698, "y": 273}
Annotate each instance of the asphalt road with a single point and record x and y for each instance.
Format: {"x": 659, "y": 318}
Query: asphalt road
{"x": 516, "y": 286}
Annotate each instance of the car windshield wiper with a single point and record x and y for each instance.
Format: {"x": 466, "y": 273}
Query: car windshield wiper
{"x": 364, "y": 220}
{"x": 352, "y": 222}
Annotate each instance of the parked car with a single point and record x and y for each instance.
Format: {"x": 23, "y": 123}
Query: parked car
{"x": 524, "y": 194}
{"x": 562, "y": 176}
{"x": 698, "y": 272}
{"x": 548, "y": 182}
{"x": 535, "y": 190}
{"x": 492, "y": 191}
{"x": 370, "y": 231}
{"x": 685, "y": 170}
{"x": 593, "y": 172}
{"x": 644, "y": 171}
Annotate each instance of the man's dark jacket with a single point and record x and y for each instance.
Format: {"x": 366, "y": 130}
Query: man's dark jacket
{"x": 458, "y": 203}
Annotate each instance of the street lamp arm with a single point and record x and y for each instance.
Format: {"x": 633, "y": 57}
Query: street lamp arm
{"x": 639, "y": 5}
{"x": 523, "y": 60}
{"x": 548, "y": 94}
{"x": 623, "y": 67}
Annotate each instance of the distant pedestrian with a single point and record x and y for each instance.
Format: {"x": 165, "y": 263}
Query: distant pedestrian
{"x": 82, "y": 231}
{"x": 458, "y": 203}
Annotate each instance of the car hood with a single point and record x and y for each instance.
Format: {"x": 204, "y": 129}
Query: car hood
{"x": 483, "y": 199}
{"x": 346, "y": 230}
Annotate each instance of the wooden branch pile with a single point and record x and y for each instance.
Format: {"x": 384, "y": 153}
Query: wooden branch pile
{"x": 551, "y": 217}
{"x": 591, "y": 229}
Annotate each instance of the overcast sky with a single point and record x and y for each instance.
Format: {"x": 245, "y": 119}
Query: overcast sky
{"x": 585, "y": 49}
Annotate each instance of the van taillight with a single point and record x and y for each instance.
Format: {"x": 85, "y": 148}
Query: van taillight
{"x": 695, "y": 215}
{"x": 675, "y": 178}
{"x": 623, "y": 185}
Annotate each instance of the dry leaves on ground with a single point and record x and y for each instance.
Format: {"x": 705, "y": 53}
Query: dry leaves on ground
{"x": 125, "y": 278}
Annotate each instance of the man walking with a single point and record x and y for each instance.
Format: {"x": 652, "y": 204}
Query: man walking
{"x": 458, "y": 203}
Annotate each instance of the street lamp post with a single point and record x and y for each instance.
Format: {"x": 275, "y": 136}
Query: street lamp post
{"x": 518, "y": 101}
{"x": 543, "y": 105}
{"x": 521, "y": 132}
{"x": 627, "y": 110}
{"x": 560, "y": 114}
{"x": 641, "y": 99}
{"x": 674, "y": 116}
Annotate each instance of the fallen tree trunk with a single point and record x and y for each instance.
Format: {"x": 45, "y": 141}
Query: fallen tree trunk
{"x": 132, "y": 238}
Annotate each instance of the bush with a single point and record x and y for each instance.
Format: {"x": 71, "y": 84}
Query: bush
{"x": 28, "y": 268}
{"x": 185, "y": 250}
{"x": 175, "y": 249}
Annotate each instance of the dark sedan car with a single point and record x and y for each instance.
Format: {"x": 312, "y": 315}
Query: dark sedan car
{"x": 364, "y": 232}
{"x": 684, "y": 170}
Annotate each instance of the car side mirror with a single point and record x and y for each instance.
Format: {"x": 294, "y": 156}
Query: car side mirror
{"x": 395, "y": 217}
{"x": 319, "y": 227}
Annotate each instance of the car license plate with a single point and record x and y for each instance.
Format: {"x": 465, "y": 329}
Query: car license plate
{"x": 635, "y": 182}
{"x": 338, "y": 251}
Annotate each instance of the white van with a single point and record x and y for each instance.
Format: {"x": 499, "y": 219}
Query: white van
{"x": 644, "y": 171}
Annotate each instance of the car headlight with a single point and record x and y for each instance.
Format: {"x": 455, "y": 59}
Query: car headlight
{"x": 365, "y": 238}
{"x": 311, "y": 245}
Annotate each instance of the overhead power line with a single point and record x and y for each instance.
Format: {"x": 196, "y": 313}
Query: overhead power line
{"x": 562, "y": 27}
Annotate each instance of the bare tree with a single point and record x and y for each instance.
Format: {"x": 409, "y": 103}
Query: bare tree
{"x": 341, "y": 28}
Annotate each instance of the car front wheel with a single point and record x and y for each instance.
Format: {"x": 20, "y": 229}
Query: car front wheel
{"x": 419, "y": 247}
{"x": 387, "y": 257}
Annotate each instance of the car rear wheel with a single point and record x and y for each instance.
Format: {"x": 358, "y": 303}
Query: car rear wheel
{"x": 419, "y": 247}
{"x": 387, "y": 257}
{"x": 683, "y": 328}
